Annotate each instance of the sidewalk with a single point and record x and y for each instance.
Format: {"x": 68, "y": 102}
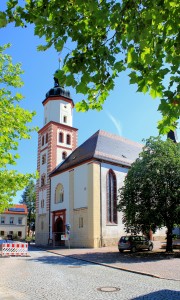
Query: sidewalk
{"x": 156, "y": 264}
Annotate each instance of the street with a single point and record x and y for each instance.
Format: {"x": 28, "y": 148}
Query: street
{"x": 48, "y": 276}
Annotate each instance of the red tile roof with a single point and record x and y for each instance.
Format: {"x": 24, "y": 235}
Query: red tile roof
{"x": 17, "y": 209}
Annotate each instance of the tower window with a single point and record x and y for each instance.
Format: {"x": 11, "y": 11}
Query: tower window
{"x": 42, "y": 203}
{"x": 43, "y": 140}
{"x": 43, "y": 159}
{"x": 65, "y": 119}
{"x": 61, "y": 137}
{"x": 68, "y": 139}
{"x": 43, "y": 180}
{"x": 46, "y": 137}
{"x": 64, "y": 155}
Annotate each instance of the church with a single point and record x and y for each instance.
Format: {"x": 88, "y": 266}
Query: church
{"x": 78, "y": 185}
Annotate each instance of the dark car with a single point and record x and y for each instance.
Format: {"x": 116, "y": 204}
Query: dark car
{"x": 134, "y": 243}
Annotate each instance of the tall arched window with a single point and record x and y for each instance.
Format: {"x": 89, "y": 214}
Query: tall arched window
{"x": 68, "y": 139}
{"x": 111, "y": 197}
{"x": 59, "y": 196}
{"x": 61, "y": 137}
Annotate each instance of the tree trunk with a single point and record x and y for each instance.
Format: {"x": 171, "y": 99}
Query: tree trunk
{"x": 169, "y": 246}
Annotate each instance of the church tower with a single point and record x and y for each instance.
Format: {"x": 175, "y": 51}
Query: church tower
{"x": 56, "y": 140}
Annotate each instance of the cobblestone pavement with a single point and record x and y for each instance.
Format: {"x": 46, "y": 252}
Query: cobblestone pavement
{"x": 160, "y": 266}
{"x": 47, "y": 276}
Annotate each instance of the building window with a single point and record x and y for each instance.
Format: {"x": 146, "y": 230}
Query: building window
{"x": 43, "y": 140}
{"x": 43, "y": 159}
{"x": 68, "y": 139}
{"x": 11, "y": 220}
{"x": 2, "y": 233}
{"x": 111, "y": 198}
{"x": 59, "y": 196}
{"x": 46, "y": 137}
{"x": 65, "y": 119}
{"x": 61, "y": 137}
{"x": 19, "y": 221}
{"x": 43, "y": 180}
{"x": 81, "y": 222}
{"x": 42, "y": 203}
{"x": 19, "y": 234}
{"x": 2, "y": 220}
{"x": 42, "y": 225}
{"x": 64, "y": 155}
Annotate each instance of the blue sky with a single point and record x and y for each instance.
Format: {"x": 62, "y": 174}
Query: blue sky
{"x": 127, "y": 113}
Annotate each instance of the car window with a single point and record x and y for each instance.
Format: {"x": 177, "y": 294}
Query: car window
{"x": 124, "y": 239}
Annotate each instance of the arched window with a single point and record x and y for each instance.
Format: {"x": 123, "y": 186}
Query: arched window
{"x": 64, "y": 155}
{"x": 61, "y": 137}
{"x": 43, "y": 159}
{"x": 42, "y": 203}
{"x": 43, "y": 140}
{"x": 68, "y": 139}
{"x": 111, "y": 197}
{"x": 43, "y": 180}
{"x": 46, "y": 137}
{"x": 59, "y": 196}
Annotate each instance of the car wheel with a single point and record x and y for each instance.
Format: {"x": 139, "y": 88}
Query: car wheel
{"x": 120, "y": 250}
{"x": 133, "y": 249}
{"x": 150, "y": 248}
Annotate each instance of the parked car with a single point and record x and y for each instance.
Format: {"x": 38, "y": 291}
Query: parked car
{"x": 134, "y": 243}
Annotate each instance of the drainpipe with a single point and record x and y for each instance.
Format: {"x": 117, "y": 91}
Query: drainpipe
{"x": 101, "y": 237}
{"x": 49, "y": 207}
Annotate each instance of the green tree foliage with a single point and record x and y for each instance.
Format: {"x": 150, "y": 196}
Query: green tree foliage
{"x": 13, "y": 128}
{"x": 29, "y": 198}
{"x": 108, "y": 37}
{"x": 150, "y": 197}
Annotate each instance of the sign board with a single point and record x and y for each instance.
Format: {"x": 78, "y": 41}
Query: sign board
{"x": 64, "y": 237}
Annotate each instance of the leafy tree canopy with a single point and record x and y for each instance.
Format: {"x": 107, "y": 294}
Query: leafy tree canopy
{"x": 13, "y": 127}
{"x": 108, "y": 37}
{"x": 29, "y": 198}
{"x": 150, "y": 197}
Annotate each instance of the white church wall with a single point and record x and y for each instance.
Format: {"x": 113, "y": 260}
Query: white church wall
{"x": 80, "y": 186}
{"x": 64, "y": 180}
{"x": 111, "y": 231}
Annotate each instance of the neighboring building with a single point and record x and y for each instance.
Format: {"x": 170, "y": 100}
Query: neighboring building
{"x": 78, "y": 185}
{"x": 13, "y": 222}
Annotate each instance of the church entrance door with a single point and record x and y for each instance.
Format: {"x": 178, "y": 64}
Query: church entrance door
{"x": 58, "y": 231}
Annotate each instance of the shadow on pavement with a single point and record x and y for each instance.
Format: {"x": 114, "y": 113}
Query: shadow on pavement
{"x": 60, "y": 260}
{"x": 162, "y": 294}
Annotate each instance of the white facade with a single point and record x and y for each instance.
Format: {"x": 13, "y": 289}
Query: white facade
{"x": 111, "y": 230}
{"x": 58, "y": 111}
{"x": 13, "y": 224}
